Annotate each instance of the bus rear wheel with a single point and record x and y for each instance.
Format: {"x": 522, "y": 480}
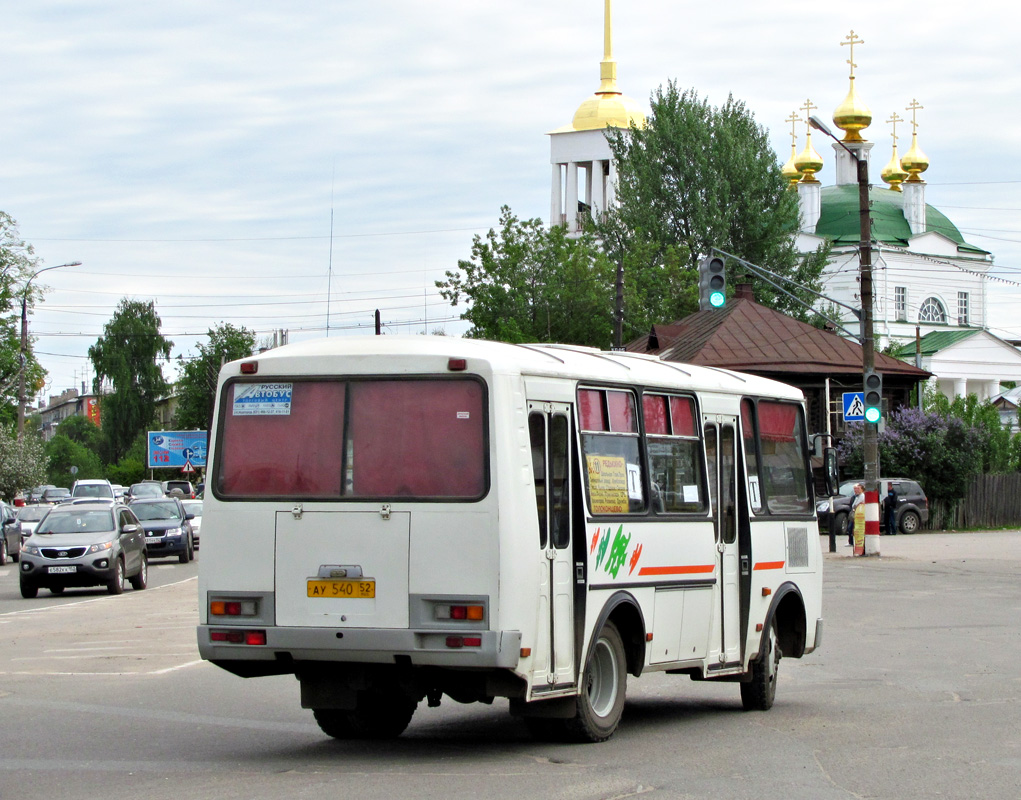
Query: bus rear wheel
{"x": 604, "y": 686}
{"x": 377, "y": 716}
{"x": 759, "y": 693}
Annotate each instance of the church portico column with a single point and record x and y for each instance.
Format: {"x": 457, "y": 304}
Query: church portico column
{"x": 571, "y": 206}
{"x": 596, "y": 186}
{"x": 960, "y": 387}
{"x": 556, "y": 216}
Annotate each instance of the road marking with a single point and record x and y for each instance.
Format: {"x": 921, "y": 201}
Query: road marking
{"x": 92, "y": 599}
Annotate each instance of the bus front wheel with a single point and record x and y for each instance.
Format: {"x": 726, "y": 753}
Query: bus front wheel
{"x": 759, "y": 693}
{"x": 604, "y": 686}
{"x": 377, "y": 716}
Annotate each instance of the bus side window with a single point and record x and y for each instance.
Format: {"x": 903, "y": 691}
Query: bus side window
{"x": 537, "y": 439}
{"x": 613, "y": 465}
{"x": 675, "y": 454}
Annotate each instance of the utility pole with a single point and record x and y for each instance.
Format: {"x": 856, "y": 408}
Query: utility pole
{"x": 870, "y": 432}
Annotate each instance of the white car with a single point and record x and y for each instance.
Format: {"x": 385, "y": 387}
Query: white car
{"x": 30, "y": 516}
{"x": 194, "y": 507}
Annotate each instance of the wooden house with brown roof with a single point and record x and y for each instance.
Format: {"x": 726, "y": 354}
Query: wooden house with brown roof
{"x": 747, "y": 337}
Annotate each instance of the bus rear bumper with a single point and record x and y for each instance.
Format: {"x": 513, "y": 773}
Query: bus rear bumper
{"x": 471, "y": 649}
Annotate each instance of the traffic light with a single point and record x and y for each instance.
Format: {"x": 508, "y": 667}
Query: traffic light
{"x": 712, "y": 283}
{"x": 873, "y": 385}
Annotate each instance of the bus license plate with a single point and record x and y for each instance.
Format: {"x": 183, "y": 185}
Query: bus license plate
{"x": 330, "y": 588}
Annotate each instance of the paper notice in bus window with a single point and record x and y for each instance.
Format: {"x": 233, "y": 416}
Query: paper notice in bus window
{"x": 753, "y": 491}
{"x": 262, "y": 399}
{"x": 690, "y": 493}
{"x": 634, "y": 482}
{"x": 608, "y": 484}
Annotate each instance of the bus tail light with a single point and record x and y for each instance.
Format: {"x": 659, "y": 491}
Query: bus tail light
{"x": 464, "y": 641}
{"x": 238, "y": 637}
{"x": 233, "y": 608}
{"x": 473, "y": 613}
{"x": 249, "y": 367}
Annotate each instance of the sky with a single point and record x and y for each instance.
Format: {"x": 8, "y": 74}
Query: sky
{"x": 296, "y": 166}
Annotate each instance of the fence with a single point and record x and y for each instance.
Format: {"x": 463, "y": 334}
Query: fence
{"x": 991, "y": 501}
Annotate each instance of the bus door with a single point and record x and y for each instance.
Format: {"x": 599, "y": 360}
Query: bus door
{"x": 549, "y": 429}
{"x": 721, "y": 454}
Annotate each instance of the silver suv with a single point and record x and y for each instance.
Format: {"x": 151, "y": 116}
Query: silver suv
{"x": 84, "y": 544}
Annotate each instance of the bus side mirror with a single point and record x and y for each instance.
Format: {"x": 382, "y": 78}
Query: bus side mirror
{"x": 832, "y": 479}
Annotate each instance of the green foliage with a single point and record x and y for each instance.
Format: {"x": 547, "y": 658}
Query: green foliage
{"x": 17, "y": 265}
{"x": 527, "y": 283}
{"x": 22, "y": 463}
{"x": 132, "y": 466}
{"x": 85, "y": 432}
{"x": 62, "y": 453}
{"x": 197, "y": 387}
{"x": 995, "y": 441}
{"x": 697, "y": 177}
{"x": 127, "y": 356}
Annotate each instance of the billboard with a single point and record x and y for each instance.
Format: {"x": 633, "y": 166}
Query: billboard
{"x": 180, "y": 449}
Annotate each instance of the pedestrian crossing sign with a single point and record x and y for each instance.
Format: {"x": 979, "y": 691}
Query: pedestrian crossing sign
{"x": 854, "y": 406}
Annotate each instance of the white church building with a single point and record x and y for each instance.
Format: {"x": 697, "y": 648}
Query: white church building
{"x": 928, "y": 282}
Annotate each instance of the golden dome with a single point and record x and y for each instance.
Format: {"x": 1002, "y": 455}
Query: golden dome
{"x": 790, "y": 169}
{"x": 608, "y": 106}
{"x": 893, "y": 173}
{"x": 852, "y": 116}
{"x": 808, "y": 162}
{"x": 915, "y": 161}
{"x": 605, "y": 109}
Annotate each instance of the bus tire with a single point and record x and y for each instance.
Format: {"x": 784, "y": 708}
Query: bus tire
{"x": 378, "y": 716}
{"x": 604, "y": 686}
{"x": 759, "y": 693}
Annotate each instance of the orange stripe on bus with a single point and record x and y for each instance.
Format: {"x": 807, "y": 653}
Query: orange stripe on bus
{"x": 682, "y": 570}
{"x": 769, "y": 565}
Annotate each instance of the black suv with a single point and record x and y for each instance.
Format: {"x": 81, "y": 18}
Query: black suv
{"x": 912, "y": 505}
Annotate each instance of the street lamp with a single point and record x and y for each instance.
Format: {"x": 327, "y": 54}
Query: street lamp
{"x": 24, "y": 341}
{"x": 870, "y": 443}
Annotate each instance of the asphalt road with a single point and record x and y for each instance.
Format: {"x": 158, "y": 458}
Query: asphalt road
{"x": 914, "y": 694}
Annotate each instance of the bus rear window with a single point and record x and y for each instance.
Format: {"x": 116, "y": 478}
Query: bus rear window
{"x": 323, "y": 440}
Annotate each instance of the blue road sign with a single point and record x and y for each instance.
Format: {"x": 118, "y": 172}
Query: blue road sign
{"x": 177, "y": 448}
{"x": 854, "y": 406}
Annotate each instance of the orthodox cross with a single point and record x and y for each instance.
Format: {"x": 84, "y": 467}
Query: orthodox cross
{"x": 793, "y": 119}
{"x": 808, "y": 108}
{"x": 852, "y": 40}
{"x": 894, "y": 118}
{"x": 914, "y": 108}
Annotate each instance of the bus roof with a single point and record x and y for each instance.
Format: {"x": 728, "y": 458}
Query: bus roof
{"x": 411, "y": 354}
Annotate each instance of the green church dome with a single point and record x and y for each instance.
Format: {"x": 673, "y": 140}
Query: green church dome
{"x": 839, "y": 220}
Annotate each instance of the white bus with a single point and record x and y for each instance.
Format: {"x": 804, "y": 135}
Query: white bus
{"x": 394, "y": 519}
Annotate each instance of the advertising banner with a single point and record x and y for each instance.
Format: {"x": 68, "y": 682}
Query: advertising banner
{"x": 181, "y": 449}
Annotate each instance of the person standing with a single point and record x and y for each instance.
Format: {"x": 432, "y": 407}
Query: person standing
{"x": 859, "y": 498}
{"x": 890, "y": 510}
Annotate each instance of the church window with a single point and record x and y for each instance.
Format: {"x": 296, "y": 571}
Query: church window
{"x": 932, "y": 311}
{"x": 963, "y": 317}
{"x": 900, "y": 302}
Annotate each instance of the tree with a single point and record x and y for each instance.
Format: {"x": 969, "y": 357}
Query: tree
{"x": 697, "y": 177}
{"x": 62, "y": 453}
{"x": 941, "y": 452}
{"x": 529, "y": 283}
{"x": 22, "y": 463}
{"x": 126, "y": 356}
{"x": 197, "y": 386}
{"x": 17, "y": 264}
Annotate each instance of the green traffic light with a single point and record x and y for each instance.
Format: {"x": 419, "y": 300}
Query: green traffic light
{"x": 872, "y": 414}
{"x": 717, "y": 299}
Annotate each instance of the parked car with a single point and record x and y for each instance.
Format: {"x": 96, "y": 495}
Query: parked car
{"x": 912, "y": 505}
{"x": 185, "y": 487}
{"x": 167, "y": 526}
{"x": 92, "y": 487}
{"x": 35, "y": 495}
{"x": 194, "y": 507}
{"x": 10, "y": 534}
{"x": 97, "y": 544}
{"x": 54, "y": 495}
{"x": 144, "y": 489}
{"x": 30, "y": 517}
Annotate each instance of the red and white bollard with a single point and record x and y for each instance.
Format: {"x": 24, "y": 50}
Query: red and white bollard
{"x": 872, "y": 523}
